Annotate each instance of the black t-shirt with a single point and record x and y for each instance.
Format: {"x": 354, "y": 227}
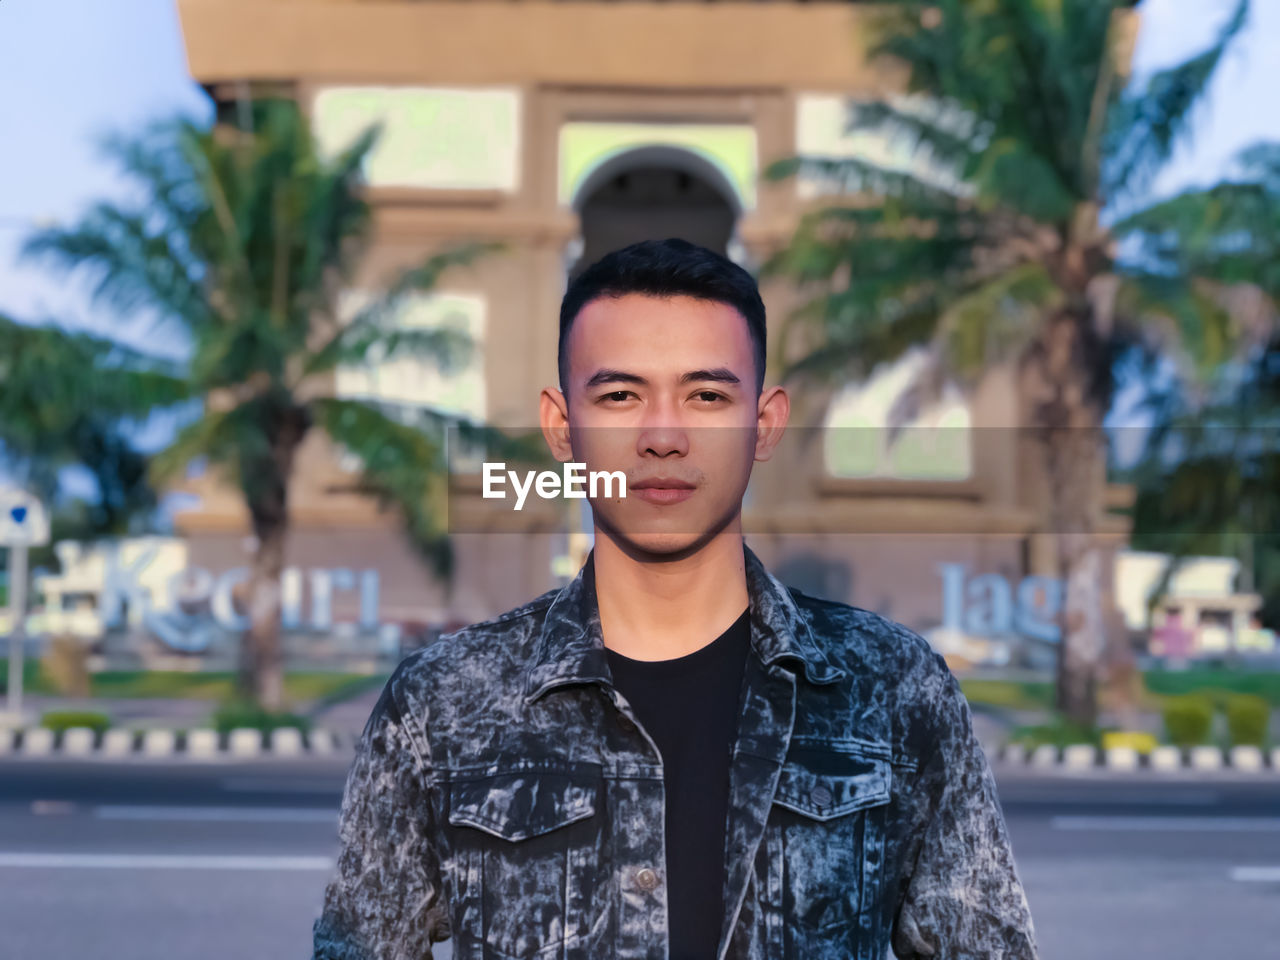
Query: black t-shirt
{"x": 689, "y": 706}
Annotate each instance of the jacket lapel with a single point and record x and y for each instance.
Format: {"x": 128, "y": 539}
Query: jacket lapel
{"x": 766, "y": 718}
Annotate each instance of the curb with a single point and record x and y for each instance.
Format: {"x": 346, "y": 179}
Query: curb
{"x": 203, "y": 744}
{"x": 1084, "y": 756}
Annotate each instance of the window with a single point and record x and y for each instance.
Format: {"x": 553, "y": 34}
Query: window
{"x": 439, "y": 138}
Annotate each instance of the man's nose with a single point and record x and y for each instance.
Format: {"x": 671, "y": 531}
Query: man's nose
{"x": 662, "y": 432}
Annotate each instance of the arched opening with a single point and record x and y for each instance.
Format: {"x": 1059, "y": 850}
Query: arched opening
{"x": 651, "y": 193}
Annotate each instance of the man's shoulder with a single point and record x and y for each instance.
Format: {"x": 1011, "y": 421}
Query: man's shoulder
{"x": 889, "y": 664}
{"x": 481, "y": 647}
{"x": 865, "y": 642}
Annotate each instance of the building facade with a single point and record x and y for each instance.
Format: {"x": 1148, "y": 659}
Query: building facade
{"x": 565, "y": 130}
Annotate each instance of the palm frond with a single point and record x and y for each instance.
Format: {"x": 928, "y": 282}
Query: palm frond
{"x": 369, "y": 335}
{"x": 1147, "y": 124}
{"x": 402, "y": 466}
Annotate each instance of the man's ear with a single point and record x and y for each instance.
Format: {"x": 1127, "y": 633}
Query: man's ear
{"x": 772, "y": 413}
{"x": 553, "y": 412}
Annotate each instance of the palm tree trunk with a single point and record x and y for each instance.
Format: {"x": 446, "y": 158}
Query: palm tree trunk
{"x": 262, "y": 658}
{"x": 1069, "y": 421}
{"x": 1083, "y": 636}
{"x": 261, "y": 655}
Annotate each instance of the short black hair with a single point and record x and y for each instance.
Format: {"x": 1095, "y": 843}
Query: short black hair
{"x": 666, "y": 268}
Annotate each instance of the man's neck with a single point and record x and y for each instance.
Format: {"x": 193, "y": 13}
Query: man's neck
{"x": 665, "y": 609}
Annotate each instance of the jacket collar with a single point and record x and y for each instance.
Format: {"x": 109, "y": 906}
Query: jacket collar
{"x": 570, "y": 646}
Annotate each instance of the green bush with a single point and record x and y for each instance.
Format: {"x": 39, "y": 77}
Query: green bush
{"x": 60, "y": 720}
{"x": 236, "y": 714}
{"x": 1248, "y": 720}
{"x": 1188, "y": 719}
{"x": 1059, "y": 733}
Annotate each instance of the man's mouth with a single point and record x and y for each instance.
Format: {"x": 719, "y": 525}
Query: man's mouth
{"x": 663, "y": 490}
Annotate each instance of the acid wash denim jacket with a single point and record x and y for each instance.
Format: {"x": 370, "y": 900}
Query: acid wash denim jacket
{"x": 503, "y": 795}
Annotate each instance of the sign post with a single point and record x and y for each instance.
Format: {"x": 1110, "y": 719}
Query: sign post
{"x": 23, "y": 524}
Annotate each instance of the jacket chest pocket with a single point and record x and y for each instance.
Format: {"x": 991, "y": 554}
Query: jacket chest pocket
{"x": 527, "y": 850}
{"x": 828, "y": 840}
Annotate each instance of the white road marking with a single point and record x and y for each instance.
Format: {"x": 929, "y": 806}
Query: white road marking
{"x": 134, "y": 861}
{"x": 1255, "y": 874}
{"x": 223, "y": 814}
{"x": 1176, "y": 824}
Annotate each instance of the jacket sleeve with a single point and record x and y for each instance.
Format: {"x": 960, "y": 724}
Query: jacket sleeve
{"x": 962, "y": 898}
{"x": 384, "y": 901}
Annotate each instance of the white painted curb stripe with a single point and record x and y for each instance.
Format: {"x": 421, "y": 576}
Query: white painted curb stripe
{"x": 1206, "y": 758}
{"x": 37, "y": 741}
{"x": 1045, "y": 755}
{"x": 117, "y": 743}
{"x": 132, "y": 861}
{"x": 78, "y": 741}
{"x": 1246, "y": 758}
{"x": 1079, "y": 756}
{"x": 1122, "y": 758}
{"x": 162, "y": 742}
{"x": 1015, "y": 753}
{"x": 202, "y": 743}
{"x": 1166, "y": 758}
{"x": 245, "y": 742}
{"x": 286, "y": 741}
{"x": 159, "y": 743}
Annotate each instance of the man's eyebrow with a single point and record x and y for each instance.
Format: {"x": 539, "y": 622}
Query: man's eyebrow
{"x": 717, "y": 375}
{"x": 607, "y": 375}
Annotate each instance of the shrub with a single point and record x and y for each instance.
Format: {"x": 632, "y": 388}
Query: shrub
{"x": 236, "y": 714}
{"x": 1058, "y": 732}
{"x": 1137, "y": 740}
{"x": 60, "y": 720}
{"x": 1248, "y": 720}
{"x": 1188, "y": 720}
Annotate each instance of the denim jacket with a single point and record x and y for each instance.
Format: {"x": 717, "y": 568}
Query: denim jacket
{"x": 505, "y": 796}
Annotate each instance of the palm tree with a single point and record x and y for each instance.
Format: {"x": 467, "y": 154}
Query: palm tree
{"x": 243, "y": 245}
{"x": 1210, "y": 477}
{"x": 993, "y": 249}
{"x": 68, "y": 398}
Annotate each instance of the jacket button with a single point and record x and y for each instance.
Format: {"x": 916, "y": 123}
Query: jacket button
{"x": 821, "y": 796}
{"x": 646, "y": 879}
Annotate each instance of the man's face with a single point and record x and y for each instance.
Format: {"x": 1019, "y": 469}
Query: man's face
{"x": 663, "y": 390}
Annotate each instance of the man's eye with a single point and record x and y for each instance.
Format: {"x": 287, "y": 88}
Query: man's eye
{"x": 710, "y": 395}
{"x": 618, "y": 395}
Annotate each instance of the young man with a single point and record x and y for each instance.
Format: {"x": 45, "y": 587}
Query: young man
{"x": 675, "y": 757}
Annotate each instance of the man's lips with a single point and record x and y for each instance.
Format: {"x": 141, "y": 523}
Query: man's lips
{"x": 663, "y": 490}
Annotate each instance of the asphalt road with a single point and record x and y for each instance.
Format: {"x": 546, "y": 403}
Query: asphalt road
{"x": 136, "y": 861}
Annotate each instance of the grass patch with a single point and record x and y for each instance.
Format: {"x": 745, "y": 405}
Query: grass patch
{"x": 326, "y": 686}
{"x": 1216, "y": 684}
{"x": 1012, "y": 695}
{"x": 1057, "y": 732}
{"x": 237, "y": 714}
{"x": 1220, "y": 686}
{"x": 33, "y": 677}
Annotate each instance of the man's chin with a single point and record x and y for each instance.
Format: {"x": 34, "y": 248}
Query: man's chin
{"x": 657, "y": 544}
{"x": 663, "y": 543}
